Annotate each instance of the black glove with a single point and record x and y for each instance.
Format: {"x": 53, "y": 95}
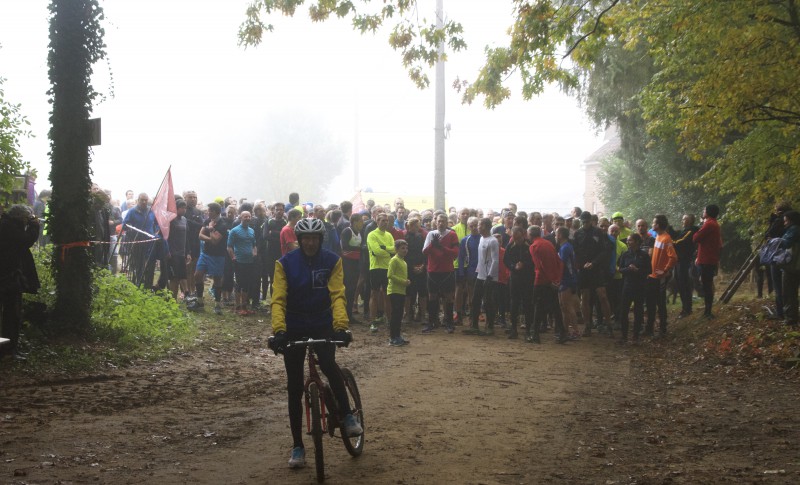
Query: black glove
{"x": 277, "y": 343}
{"x": 344, "y": 336}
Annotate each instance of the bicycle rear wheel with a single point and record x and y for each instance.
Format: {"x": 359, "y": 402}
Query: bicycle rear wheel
{"x": 354, "y": 444}
{"x": 316, "y": 430}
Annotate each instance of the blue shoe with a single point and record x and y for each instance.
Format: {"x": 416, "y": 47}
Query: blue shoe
{"x": 298, "y": 459}
{"x": 351, "y": 427}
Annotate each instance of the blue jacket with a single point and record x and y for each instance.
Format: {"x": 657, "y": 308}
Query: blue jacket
{"x": 790, "y": 237}
{"x": 468, "y": 255}
{"x": 146, "y": 222}
{"x": 308, "y": 293}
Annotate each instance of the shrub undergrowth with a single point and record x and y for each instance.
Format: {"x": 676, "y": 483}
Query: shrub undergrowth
{"x": 133, "y": 317}
{"x": 130, "y": 319}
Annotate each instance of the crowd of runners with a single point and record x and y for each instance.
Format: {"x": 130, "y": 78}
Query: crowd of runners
{"x": 507, "y": 269}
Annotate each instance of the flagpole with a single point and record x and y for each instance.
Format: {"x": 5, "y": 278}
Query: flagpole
{"x": 163, "y": 179}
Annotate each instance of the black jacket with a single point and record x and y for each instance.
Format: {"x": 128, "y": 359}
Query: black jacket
{"x": 635, "y": 280}
{"x": 17, "y": 269}
{"x": 519, "y": 253}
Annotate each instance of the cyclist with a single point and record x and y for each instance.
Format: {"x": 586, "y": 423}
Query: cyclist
{"x": 308, "y": 301}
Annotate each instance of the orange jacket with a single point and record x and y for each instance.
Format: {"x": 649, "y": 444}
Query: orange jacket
{"x": 664, "y": 255}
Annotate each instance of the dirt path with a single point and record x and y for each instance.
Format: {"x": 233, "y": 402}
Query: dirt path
{"x": 446, "y": 409}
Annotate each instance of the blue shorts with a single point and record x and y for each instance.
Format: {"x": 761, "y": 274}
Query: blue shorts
{"x": 211, "y": 265}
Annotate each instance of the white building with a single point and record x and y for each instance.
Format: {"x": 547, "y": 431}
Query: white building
{"x": 591, "y": 166}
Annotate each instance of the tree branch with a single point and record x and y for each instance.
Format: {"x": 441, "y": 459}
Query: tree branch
{"x": 594, "y": 29}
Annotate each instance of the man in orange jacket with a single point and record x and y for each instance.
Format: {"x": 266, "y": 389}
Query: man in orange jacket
{"x": 663, "y": 259}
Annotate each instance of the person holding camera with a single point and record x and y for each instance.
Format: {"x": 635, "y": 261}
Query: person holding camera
{"x": 19, "y": 230}
{"x": 791, "y": 272}
{"x": 775, "y": 230}
{"x": 308, "y": 301}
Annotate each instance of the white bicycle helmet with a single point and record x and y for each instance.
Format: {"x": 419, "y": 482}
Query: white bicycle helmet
{"x": 309, "y": 226}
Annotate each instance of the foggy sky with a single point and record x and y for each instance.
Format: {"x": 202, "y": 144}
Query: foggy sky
{"x": 186, "y": 96}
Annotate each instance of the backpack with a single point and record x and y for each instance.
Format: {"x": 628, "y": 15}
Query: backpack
{"x": 785, "y": 258}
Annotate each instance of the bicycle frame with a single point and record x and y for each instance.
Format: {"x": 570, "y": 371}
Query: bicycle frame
{"x": 322, "y": 410}
{"x": 325, "y": 392}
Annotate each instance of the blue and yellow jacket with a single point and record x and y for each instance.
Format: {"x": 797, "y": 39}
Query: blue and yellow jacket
{"x": 308, "y": 293}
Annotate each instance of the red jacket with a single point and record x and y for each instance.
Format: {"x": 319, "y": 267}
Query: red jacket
{"x": 547, "y": 262}
{"x": 504, "y": 274}
{"x": 396, "y": 233}
{"x": 441, "y": 257}
{"x": 709, "y": 242}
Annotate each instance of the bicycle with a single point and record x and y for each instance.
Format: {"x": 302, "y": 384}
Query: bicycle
{"x": 322, "y": 410}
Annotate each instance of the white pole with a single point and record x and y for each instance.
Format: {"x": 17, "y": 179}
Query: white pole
{"x": 438, "y": 177}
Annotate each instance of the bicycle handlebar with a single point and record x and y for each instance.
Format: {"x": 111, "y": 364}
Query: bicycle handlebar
{"x": 310, "y": 341}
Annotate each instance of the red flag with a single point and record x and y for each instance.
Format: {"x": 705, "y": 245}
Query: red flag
{"x": 358, "y": 202}
{"x": 164, "y": 204}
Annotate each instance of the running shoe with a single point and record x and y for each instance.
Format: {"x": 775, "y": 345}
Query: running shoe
{"x": 298, "y": 459}
{"x": 351, "y": 426}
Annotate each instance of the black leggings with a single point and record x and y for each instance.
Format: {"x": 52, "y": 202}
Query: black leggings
{"x": 351, "y": 273}
{"x": 707, "y": 273}
{"x": 398, "y": 302}
{"x": 521, "y": 302}
{"x": 294, "y": 360}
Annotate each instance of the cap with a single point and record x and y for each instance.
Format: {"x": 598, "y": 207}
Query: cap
{"x": 617, "y": 215}
{"x": 586, "y": 216}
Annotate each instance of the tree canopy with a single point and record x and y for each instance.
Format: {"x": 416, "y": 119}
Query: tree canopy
{"x": 13, "y": 126}
{"x": 417, "y": 42}
{"x": 715, "y": 80}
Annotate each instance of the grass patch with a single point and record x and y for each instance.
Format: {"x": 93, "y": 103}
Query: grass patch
{"x": 127, "y": 324}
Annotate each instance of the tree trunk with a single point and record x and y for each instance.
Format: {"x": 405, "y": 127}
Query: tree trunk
{"x": 75, "y": 43}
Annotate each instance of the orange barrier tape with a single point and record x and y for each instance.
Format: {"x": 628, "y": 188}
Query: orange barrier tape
{"x": 79, "y": 244}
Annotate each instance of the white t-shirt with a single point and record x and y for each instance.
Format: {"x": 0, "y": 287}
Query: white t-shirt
{"x": 488, "y": 258}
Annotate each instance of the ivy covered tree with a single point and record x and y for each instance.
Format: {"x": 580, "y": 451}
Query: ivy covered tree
{"x": 76, "y": 43}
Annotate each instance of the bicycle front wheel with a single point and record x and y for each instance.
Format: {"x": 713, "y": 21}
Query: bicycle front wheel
{"x": 354, "y": 444}
{"x": 316, "y": 430}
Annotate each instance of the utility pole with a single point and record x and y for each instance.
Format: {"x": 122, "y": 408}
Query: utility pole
{"x": 438, "y": 176}
{"x": 356, "y": 165}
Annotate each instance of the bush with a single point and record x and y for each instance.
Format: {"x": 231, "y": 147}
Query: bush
{"x": 123, "y": 315}
{"x": 133, "y": 317}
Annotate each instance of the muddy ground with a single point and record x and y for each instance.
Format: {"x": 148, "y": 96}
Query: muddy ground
{"x": 446, "y": 409}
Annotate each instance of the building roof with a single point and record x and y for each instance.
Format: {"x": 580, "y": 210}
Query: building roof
{"x": 611, "y": 145}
